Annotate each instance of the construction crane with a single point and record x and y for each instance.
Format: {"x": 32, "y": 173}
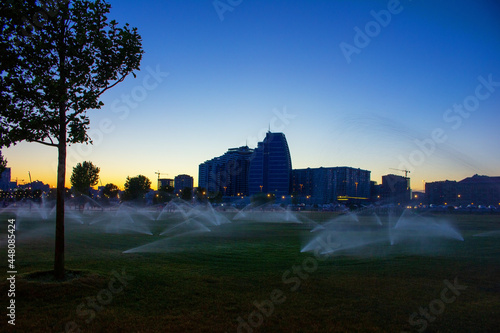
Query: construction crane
{"x": 158, "y": 173}
{"x": 405, "y": 171}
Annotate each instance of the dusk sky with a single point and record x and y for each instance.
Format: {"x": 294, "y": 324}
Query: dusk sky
{"x": 421, "y": 85}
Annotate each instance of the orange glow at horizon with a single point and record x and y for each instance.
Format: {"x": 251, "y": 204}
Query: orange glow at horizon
{"x": 20, "y": 159}
{"x": 41, "y": 163}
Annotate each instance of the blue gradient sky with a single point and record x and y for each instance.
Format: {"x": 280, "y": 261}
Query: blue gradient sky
{"x": 228, "y": 79}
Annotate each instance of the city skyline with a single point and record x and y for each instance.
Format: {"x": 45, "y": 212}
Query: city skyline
{"x": 391, "y": 85}
{"x": 172, "y": 181}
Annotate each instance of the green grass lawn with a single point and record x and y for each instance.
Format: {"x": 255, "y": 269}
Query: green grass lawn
{"x": 251, "y": 277}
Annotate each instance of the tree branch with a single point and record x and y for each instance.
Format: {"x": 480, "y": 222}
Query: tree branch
{"x": 46, "y": 143}
{"x": 114, "y": 84}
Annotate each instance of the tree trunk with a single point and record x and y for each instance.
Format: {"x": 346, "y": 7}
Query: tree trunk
{"x": 61, "y": 168}
{"x": 61, "y": 180}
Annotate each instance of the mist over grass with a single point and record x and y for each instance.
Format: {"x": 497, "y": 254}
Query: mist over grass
{"x": 189, "y": 279}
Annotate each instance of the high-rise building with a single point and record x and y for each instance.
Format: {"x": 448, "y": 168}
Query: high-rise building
{"x": 395, "y": 189}
{"x": 479, "y": 190}
{"x": 162, "y": 182}
{"x": 234, "y": 173}
{"x": 227, "y": 174}
{"x": 181, "y": 182}
{"x": 441, "y": 192}
{"x": 5, "y": 183}
{"x": 243, "y": 171}
{"x": 271, "y": 166}
{"x": 333, "y": 184}
{"x": 475, "y": 190}
{"x": 206, "y": 175}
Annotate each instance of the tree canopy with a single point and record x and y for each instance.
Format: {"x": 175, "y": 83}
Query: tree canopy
{"x": 165, "y": 194}
{"x": 84, "y": 176}
{"x": 3, "y": 163}
{"x": 110, "y": 191}
{"x": 59, "y": 68}
{"x": 56, "y": 60}
{"x": 187, "y": 193}
{"x": 262, "y": 198}
{"x": 136, "y": 187}
{"x": 200, "y": 194}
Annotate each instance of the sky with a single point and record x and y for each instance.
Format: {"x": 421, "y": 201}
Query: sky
{"x": 376, "y": 85}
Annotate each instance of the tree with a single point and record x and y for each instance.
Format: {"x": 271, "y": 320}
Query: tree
{"x": 168, "y": 189}
{"x": 85, "y": 175}
{"x": 3, "y": 163}
{"x": 262, "y": 198}
{"x": 165, "y": 194}
{"x": 187, "y": 193}
{"x": 200, "y": 194}
{"x": 110, "y": 191}
{"x": 51, "y": 74}
{"x": 215, "y": 197}
{"x": 136, "y": 187}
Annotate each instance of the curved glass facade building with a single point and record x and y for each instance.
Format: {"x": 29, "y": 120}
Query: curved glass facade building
{"x": 270, "y": 168}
